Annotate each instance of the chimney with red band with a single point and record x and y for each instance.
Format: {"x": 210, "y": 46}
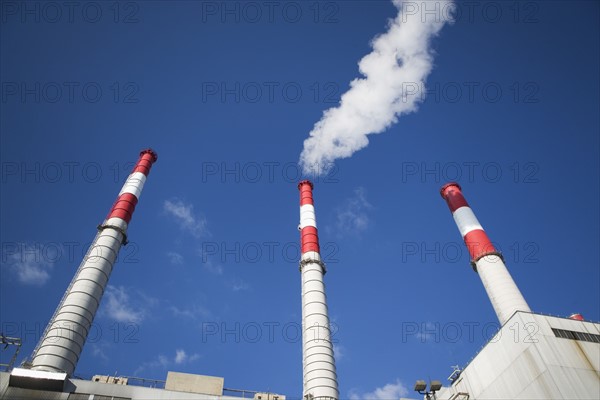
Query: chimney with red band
{"x": 318, "y": 362}
{"x": 62, "y": 342}
{"x": 499, "y": 285}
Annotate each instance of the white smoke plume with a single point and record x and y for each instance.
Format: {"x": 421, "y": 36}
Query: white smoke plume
{"x": 393, "y": 85}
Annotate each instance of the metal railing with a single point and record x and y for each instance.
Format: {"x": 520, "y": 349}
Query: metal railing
{"x": 239, "y": 393}
{"x": 10, "y": 341}
{"x": 160, "y": 384}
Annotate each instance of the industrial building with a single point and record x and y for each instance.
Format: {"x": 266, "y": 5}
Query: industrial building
{"x": 532, "y": 356}
{"x": 543, "y": 358}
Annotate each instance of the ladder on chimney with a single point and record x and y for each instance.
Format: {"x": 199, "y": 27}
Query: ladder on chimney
{"x": 26, "y": 363}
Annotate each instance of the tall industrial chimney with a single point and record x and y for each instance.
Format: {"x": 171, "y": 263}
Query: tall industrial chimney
{"x": 499, "y": 285}
{"x": 59, "y": 348}
{"x": 318, "y": 362}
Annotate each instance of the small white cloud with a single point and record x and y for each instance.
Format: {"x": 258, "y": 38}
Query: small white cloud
{"x": 117, "y": 305}
{"x": 390, "y": 391}
{"x": 212, "y": 267}
{"x": 145, "y": 299}
{"x": 352, "y": 217}
{"x": 339, "y": 352}
{"x": 98, "y": 351}
{"x": 238, "y": 285}
{"x": 184, "y": 214}
{"x": 175, "y": 258}
{"x": 428, "y": 332}
{"x": 29, "y": 262}
{"x": 163, "y": 362}
{"x": 195, "y": 312}
{"x": 180, "y": 356}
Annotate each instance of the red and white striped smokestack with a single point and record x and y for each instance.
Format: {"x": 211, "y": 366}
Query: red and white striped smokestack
{"x": 318, "y": 362}
{"x": 59, "y": 348}
{"x": 487, "y": 262}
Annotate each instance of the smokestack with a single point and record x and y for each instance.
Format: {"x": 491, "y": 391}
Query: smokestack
{"x": 318, "y": 362}
{"x": 486, "y": 261}
{"x": 577, "y": 317}
{"x": 59, "y": 348}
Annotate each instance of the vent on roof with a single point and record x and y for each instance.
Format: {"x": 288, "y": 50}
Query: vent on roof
{"x": 87, "y": 396}
{"x": 78, "y": 396}
{"x": 583, "y": 336}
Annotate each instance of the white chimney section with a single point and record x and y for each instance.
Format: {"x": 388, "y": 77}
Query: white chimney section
{"x": 59, "y": 348}
{"x": 318, "y": 362}
{"x": 499, "y": 285}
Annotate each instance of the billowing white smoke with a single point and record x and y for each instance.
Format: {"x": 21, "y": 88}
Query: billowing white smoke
{"x": 395, "y": 73}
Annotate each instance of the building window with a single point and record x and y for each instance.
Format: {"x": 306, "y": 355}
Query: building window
{"x": 583, "y": 336}
{"x": 79, "y": 396}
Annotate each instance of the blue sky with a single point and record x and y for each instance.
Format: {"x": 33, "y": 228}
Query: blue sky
{"x": 226, "y": 96}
